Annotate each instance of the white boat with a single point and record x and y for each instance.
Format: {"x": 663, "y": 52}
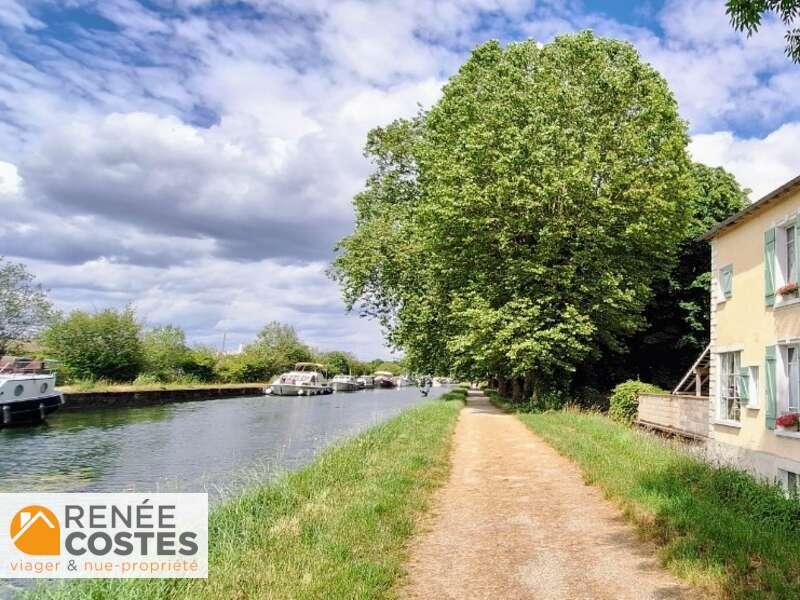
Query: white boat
{"x": 366, "y": 382}
{"x": 307, "y": 379}
{"x": 27, "y": 391}
{"x": 402, "y": 381}
{"x": 383, "y": 379}
{"x": 344, "y": 383}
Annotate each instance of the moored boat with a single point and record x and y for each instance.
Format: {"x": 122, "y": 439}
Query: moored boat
{"x": 402, "y": 381}
{"x": 344, "y": 383}
{"x": 384, "y": 379}
{"x": 307, "y": 379}
{"x": 366, "y": 382}
{"x": 27, "y": 391}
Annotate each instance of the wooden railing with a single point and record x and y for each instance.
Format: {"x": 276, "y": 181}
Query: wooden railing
{"x": 682, "y": 415}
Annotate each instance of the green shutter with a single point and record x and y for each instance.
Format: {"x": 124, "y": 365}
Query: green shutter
{"x": 796, "y": 249}
{"x": 769, "y": 266}
{"x": 744, "y": 385}
{"x": 769, "y": 387}
{"x": 726, "y": 280}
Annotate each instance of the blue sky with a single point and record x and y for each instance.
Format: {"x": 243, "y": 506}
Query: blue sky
{"x": 197, "y": 157}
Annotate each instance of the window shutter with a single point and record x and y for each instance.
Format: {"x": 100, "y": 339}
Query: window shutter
{"x": 744, "y": 385}
{"x": 726, "y": 279}
{"x": 769, "y": 266}
{"x": 769, "y": 387}
{"x": 796, "y": 248}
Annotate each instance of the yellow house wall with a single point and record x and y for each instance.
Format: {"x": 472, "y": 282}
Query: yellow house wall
{"x": 745, "y": 322}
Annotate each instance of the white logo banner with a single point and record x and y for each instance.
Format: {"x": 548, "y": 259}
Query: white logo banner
{"x": 94, "y": 535}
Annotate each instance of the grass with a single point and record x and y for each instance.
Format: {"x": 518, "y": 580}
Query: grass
{"x": 717, "y": 528}
{"x": 335, "y": 529}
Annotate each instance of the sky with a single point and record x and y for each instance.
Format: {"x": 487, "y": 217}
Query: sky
{"x": 198, "y": 158}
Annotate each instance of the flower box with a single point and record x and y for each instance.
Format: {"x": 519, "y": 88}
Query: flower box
{"x": 789, "y": 288}
{"x": 790, "y": 421}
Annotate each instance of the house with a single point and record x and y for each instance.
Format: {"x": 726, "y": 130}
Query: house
{"x": 754, "y": 355}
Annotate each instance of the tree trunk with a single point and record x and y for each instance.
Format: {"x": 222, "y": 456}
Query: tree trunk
{"x": 528, "y": 388}
{"x": 503, "y": 387}
{"x": 516, "y": 390}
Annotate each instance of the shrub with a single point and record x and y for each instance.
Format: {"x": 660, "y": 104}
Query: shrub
{"x": 624, "y": 402}
{"x": 165, "y": 353}
{"x": 147, "y": 379}
{"x": 242, "y": 368}
{"x": 102, "y": 345}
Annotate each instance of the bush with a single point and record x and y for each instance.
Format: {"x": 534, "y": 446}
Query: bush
{"x": 201, "y": 363}
{"x": 242, "y": 368}
{"x": 624, "y": 402}
{"x": 147, "y": 379}
{"x": 165, "y": 353}
{"x": 103, "y": 345}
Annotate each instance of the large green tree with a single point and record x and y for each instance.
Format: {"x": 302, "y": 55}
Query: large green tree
{"x": 24, "y": 307}
{"x": 746, "y": 15}
{"x": 676, "y": 327}
{"x": 515, "y": 229}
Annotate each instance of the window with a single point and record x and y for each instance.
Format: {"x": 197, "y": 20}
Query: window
{"x": 793, "y": 378}
{"x": 790, "y": 481}
{"x": 729, "y": 396}
{"x": 791, "y": 267}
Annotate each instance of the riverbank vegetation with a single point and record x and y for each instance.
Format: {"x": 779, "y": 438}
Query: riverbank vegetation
{"x": 536, "y": 227}
{"x": 334, "y": 529}
{"x": 716, "y": 527}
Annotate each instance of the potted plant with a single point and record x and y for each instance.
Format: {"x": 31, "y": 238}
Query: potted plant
{"x": 789, "y": 288}
{"x": 789, "y": 421}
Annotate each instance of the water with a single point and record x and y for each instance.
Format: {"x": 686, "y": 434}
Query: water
{"x": 214, "y": 446}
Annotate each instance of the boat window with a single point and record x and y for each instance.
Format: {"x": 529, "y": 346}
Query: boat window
{"x": 43, "y": 389}
{"x": 18, "y": 390}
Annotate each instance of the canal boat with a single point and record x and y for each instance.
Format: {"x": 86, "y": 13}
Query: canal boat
{"x": 402, "y": 381}
{"x": 307, "y": 379}
{"x": 27, "y": 391}
{"x": 384, "y": 379}
{"x": 366, "y": 382}
{"x": 344, "y": 383}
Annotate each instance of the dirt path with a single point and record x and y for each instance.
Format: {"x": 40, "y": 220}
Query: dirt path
{"x": 515, "y": 520}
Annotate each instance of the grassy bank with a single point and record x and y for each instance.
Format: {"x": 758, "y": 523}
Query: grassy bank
{"x": 335, "y": 529}
{"x": 95, "y": 386}
{"x": 716, "y": 527}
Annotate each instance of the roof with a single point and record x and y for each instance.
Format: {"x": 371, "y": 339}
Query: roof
{"x": 773, "y": 196}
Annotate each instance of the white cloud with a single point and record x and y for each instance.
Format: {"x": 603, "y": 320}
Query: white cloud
{"x": 10, "y": 182}
{"x": 200, "y": 162}
{"x": 761, "y": 164}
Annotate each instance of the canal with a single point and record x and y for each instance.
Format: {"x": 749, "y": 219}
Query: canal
{"x": 214, "y": 446}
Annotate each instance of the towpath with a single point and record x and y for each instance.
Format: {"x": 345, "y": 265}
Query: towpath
{"x": 515, "y": 520}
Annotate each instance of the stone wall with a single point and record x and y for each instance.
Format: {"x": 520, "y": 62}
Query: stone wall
{"x": 682, "y": 415}
{"x": 123, "y": 399}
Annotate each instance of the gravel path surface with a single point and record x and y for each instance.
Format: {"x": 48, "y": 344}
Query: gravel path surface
{"x": 515, "y": 520}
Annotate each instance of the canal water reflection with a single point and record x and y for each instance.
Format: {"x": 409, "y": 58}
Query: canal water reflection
{"x": 217, "y": 446}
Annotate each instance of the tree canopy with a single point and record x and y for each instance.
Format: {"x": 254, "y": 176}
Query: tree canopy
{"x": 676, "y": 327}
{"x": 24, "y": 307}
{"x": 515, "y": 228}
{"x": 746, "y": 15}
